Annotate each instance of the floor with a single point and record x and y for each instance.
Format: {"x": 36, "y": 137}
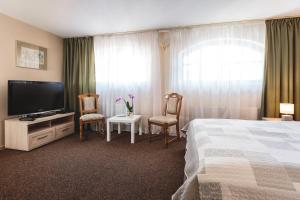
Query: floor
{"x": 94, "y": 169}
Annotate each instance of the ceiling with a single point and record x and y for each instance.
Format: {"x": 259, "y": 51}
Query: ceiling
{"x": 70, "y": 18}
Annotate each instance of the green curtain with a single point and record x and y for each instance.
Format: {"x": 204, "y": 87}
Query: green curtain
{"x": 282, "y": 66}
{"x": 79, "y": 70}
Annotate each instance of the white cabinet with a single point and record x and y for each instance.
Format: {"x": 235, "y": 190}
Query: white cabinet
{"x": 27, "y": 135}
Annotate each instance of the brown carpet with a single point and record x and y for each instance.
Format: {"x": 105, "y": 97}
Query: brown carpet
{"x": 94, "y": 169}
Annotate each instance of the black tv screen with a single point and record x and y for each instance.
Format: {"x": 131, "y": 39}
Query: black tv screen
{"x": 27, "y": 97}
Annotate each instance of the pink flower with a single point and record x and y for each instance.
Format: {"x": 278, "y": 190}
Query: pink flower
{"x": 131, "y": 96}
{"x": 119, "y": 99}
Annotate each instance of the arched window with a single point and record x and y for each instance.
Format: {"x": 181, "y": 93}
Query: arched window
{"x": 218, "y": 69}
{"x": 223, "y": 60}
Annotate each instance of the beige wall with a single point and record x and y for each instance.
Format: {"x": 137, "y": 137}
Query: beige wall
{"x": 10, "y": 31}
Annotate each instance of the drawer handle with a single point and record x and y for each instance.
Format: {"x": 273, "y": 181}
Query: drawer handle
{"x": 65, "y": 129}
{"x": 42, "y": 137}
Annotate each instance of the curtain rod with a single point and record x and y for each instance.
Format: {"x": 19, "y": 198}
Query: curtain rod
{"x": 167, "y": 29}
{"x": 161, "y": 30}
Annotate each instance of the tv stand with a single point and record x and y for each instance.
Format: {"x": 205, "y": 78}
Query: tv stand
{"x": 28, "y": 135}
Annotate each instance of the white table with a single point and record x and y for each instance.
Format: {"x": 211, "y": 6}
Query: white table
{"x": 132, "y": 120}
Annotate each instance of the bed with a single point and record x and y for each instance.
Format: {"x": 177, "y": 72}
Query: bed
{"x": 241, "y": 159}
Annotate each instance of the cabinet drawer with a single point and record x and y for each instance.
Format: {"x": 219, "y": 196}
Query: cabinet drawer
{"x": 64, "y": 130}
{"x": 40, "y": 138}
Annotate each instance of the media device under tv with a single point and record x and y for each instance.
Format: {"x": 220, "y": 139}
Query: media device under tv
{"x": 33, "y": 99}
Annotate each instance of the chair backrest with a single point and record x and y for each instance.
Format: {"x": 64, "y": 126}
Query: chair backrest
{"x": 173, "y": 104}
{"x": 88, "y": 103}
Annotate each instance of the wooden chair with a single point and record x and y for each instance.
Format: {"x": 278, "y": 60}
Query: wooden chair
{"x": 169, "y": 118}
{"x": 89, "y": 112}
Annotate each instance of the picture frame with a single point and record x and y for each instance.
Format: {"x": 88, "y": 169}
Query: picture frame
{"x": 31, "y": 56}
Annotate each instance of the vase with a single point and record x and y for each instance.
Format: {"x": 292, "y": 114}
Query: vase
{"x": 129, "y": 113}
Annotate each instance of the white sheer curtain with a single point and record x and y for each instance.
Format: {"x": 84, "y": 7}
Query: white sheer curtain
{"x": 218, "y": 69}
{"x": 128, "y": 64}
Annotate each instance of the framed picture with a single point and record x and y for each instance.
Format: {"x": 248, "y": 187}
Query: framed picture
{"x": 31, "y": 56}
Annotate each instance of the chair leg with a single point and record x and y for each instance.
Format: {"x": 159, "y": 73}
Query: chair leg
{"x": 166, "y": 136}
{"x": 177, "y": 132}
{"x": 81, "y": 131}
{"x": 103, "y": 126}
{"x": 150, "y": 133}
{"x": 97, "y": 127}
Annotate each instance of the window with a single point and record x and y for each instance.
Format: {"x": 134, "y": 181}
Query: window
{"x": 218, "y": 69}
{"x": 236, "y": 61}
{"x": 128, "y": 64}
{"x": 123, "y": 64}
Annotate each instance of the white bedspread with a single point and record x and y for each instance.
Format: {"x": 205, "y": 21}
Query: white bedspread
{"x": 241, "y": 159}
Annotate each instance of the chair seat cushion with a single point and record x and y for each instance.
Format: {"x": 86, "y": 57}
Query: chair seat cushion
{"x": 163, "y": 120}
{"x": 93, "y": 116}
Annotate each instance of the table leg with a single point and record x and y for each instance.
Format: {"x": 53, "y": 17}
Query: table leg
{"x": 119, "y": 128}
{"x": 108, "y": 132}
{"x": 140, "y": 127}
{"x": 132, "y": 132}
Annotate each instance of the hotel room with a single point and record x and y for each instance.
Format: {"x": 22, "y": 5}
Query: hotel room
{"x": 150, "y": 100}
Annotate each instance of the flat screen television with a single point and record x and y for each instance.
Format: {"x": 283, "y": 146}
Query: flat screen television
{"x": 28, "y": 97}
